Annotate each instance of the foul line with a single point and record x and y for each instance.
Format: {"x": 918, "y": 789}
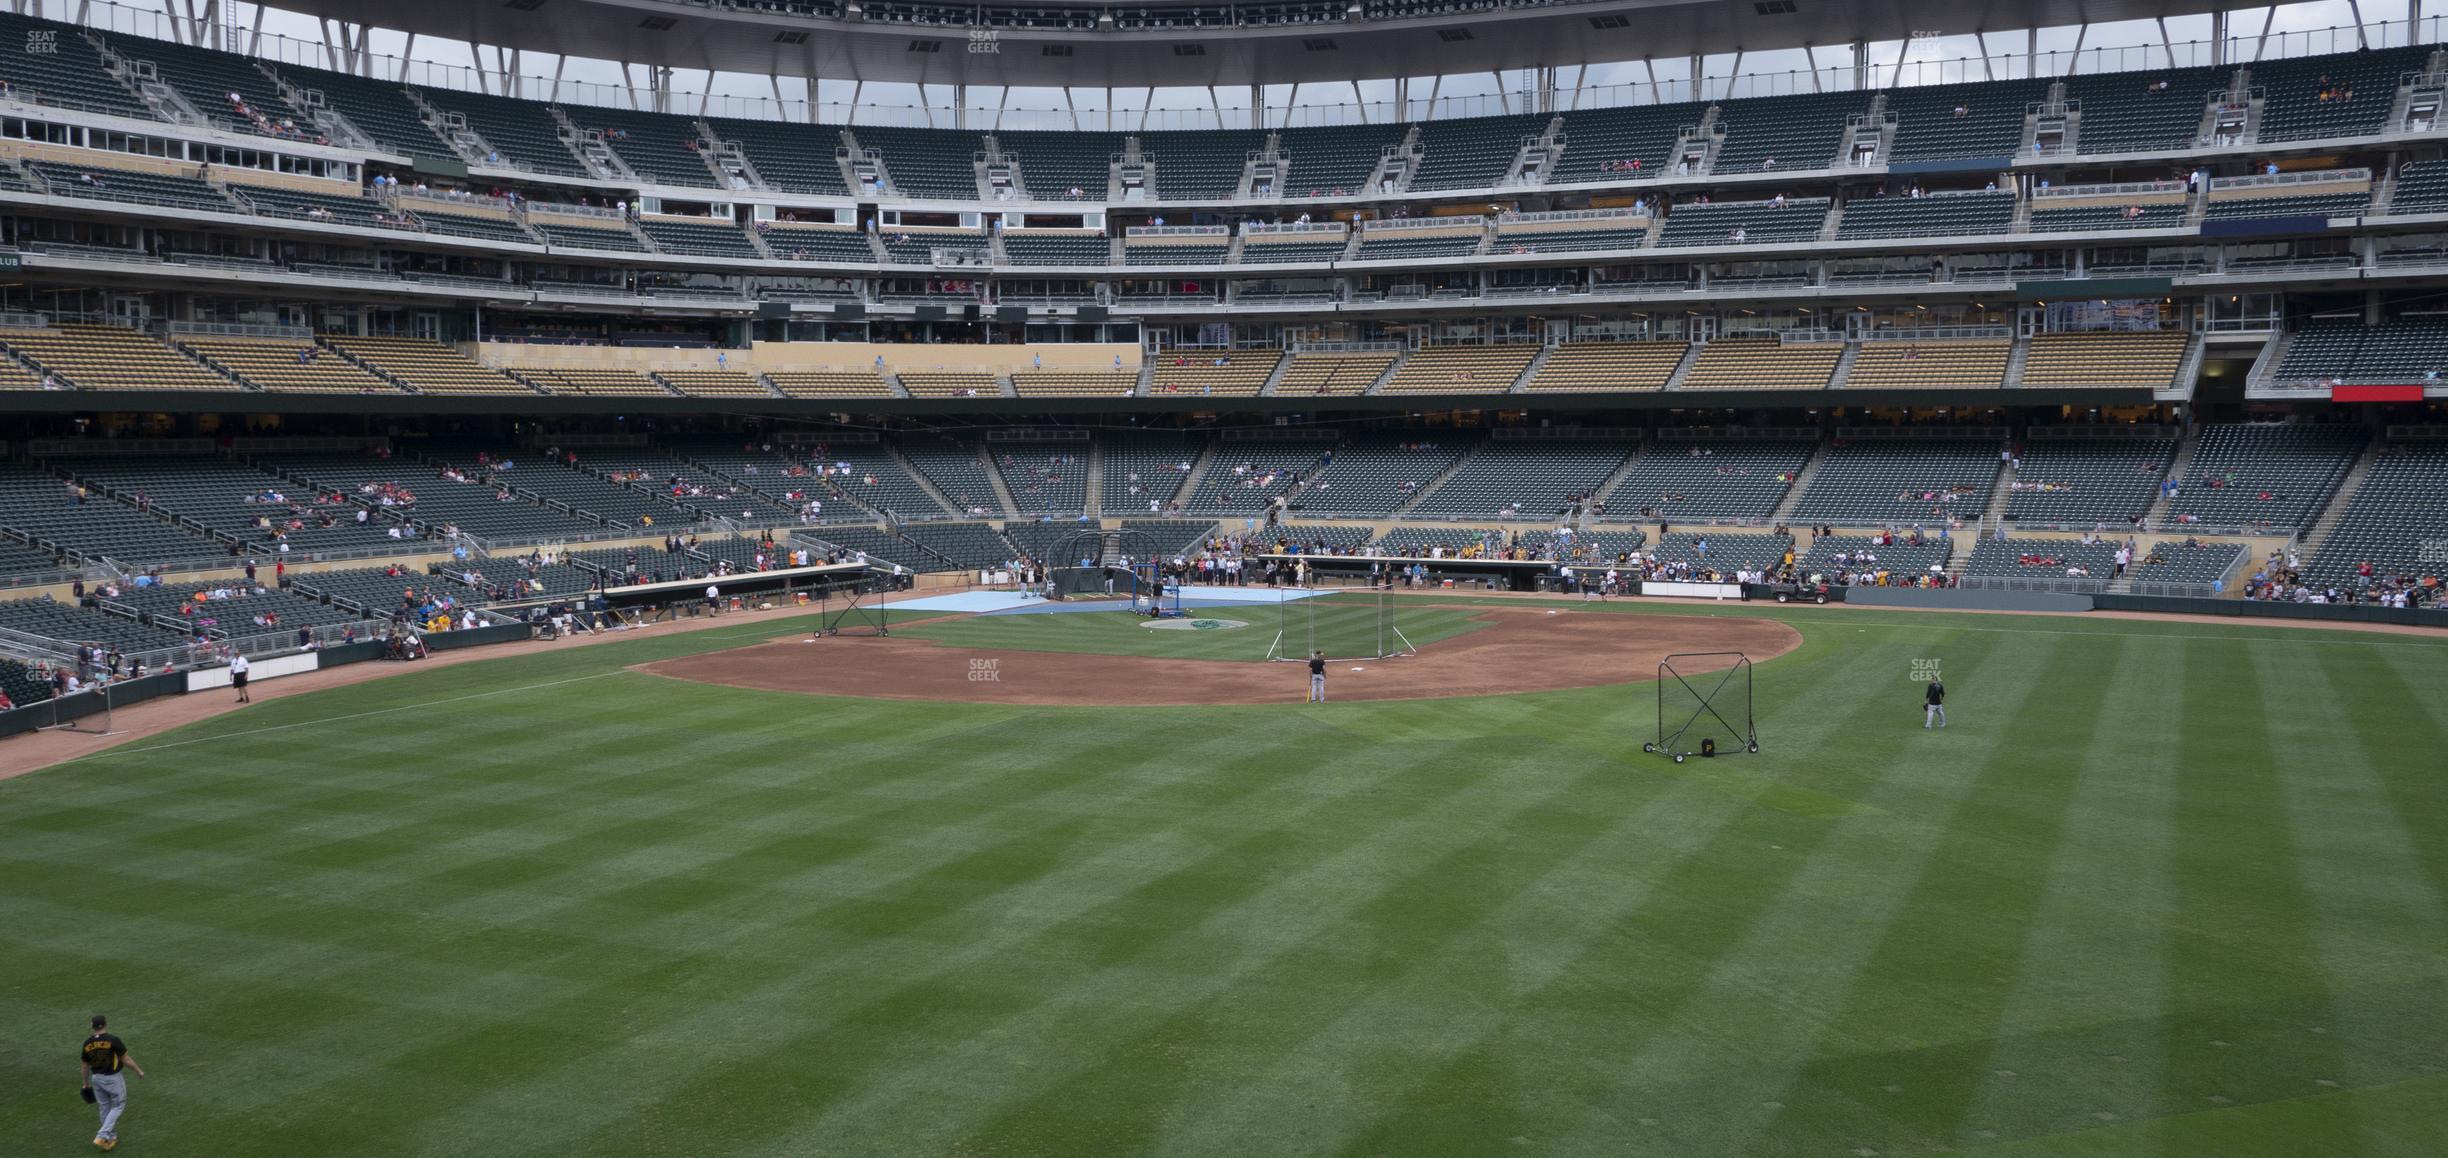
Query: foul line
{"x": 355, "y": 715}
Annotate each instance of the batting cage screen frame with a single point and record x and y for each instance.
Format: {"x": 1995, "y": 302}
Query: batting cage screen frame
{"x": 1066, "y": 579}
{"x": 863, "y": 610}
{"x": 1726, "y": 683}
{"x": 1378, "y": 635}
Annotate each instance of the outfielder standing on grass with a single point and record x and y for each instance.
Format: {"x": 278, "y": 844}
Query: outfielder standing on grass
{"x": 99, "y": 1060}
{"x": 1934, "y": 704}
{"x": 1317, "y": 677}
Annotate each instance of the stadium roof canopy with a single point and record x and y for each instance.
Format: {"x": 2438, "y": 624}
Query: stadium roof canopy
{"x": 882, "y": 45}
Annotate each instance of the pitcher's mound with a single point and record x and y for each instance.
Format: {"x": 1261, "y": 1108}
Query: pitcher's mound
{"x": 1521, "y": 650}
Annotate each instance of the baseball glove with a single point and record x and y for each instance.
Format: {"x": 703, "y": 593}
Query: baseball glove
{"x": 86, "y": 1092}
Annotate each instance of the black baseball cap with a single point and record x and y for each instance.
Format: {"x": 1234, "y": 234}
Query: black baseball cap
{"x": 99, "y": 1021}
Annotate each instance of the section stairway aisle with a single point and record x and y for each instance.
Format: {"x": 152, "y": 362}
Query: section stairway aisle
{"x": 2318, "y": 535}
{"x": 1430, "y": 487}
{"x": 1802, "y": 481}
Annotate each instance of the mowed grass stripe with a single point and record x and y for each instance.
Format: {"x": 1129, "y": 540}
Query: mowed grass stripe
{"x": 2079, "y": 1032}
{"x": 2245, "y": 981}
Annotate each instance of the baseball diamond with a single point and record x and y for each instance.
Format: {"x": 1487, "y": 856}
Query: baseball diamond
{"x": 1389, "y": 579}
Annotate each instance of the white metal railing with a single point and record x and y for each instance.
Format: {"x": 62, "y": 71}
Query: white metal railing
{"x": 16, "y": 320}
{"x": 460, "y": 199}
{"x": 1379, "y": 347}
{"x": 240, "y": 330}
{"x": 1460, "y": 223}
{"x": 1922, "y": 432}
{"x": 1552, "y": 433}
{"x": 2108, "y": 189}
{"x": 2281, "y": 180}
{"x": 1178, "y": 231}
{"x": 947, "y": 257}
{"x": 565, "y": 209}
{"x": 2141, "y": 430}
{"x": 1269, "y": 228}
{"x": 47, "y": 447}
{"x": 1624, "y": 215}
{"x": 1793, "y": 337}
{"x": 1936, "y": 333}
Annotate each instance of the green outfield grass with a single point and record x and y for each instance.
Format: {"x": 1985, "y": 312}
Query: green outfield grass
{"x": 1336, "y": 622}
{"x": 2162, "y": 888}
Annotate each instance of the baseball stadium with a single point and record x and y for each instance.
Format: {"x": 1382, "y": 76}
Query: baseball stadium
{"x": 1308, "y": 577}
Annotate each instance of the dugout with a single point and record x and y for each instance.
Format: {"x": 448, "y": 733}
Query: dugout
{"x": 820, "y": 583}
{"x": 1501, "y": 574}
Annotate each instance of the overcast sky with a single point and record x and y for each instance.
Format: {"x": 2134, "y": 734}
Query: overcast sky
{"x": 2311, "y": 27}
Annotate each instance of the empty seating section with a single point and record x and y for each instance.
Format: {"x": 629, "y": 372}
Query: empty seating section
{"x": 1721, "y": 552}
{"x": 1679, "y": 479}
{"x": 2174, "y": 561}
{"x": 938, "y": 163}
{"x": 2105, "y": 359}
{"x": 2402, "y": 350}
{"x": 424, "y": 365}
{"x": 2265, "y": 475}
{"x": 1763, "y": 364}
{"x": 563, "y": 233}
{"x": 1261, "y": 250}
{"x": 1200, "y": 166}
{"x": 1052, "y": 164}
{"x": 522, "y": 133}
{"x": 829, "y": 383}
{"x": 2085, "y": 215}
{"x": 971, "y": 546}
{"x": 1247, "y": 475}
{"x": 1573, "y": 240}
{"x": 659, "y": 147}
{"x": 2422, "y": 187}
{"x": 1416, "y": 244}
{"x": 1143, "y": 469}
{"x": 956, "y": 471}
{"x": 207, "y": 79}
{"x": 49, "y": 513}
{"x": 1602, "y": 144}
{"x": 1333, "y": 160}
{"x": 1584, "y": 546}
{"x": 1899, "y": 560}
{"x": 2049, "y": 562}
{"x": 1056, "y": 248}
{"x": 1461, "y": 370}
{"x": 1327, "y": 538}
{"x": 110, "y": 358}
{"x": 1334, "y": 373}
{"x": 379, "y": 109}
{"x": 2127, "y": 112}
{"x": 1524, "y": 479}
{"x": 601, "y": 381}
{"x": 918, "y": 246}
{"x": 274, "y": 364}
{"x": 2337, "y": 199}
{"x": 168, "y": 190}
{"x": 1794, "y": 222}
{"x": 715, "y": 383}
{"x": 587, "y": 494}
{"x": 948, "y": 383}
{"x": 1945, "y": 365}
{"x": 2395, "y": 522}
{"x": 699, "y": 238}
{"x": 826, "y": 243}
{"x": 881, "y": 547}
{"x": 2081, "y": 482}
{"x": 2341, "y": 95}
{"x": 1373, "y": 476}
{"x": 1804, "y": 131}
{"x": 793, "y": 158}
{"x": 1600, "y": 366}
{"x": 1074, "y": 383}
{"x": 1176, "y": 251}
{"x": 334, "y": 207}
{"x": 232, "y": 609}
{"x": 18, "y": 560}
{"x": 1044, "y": 479}
{"x": 70, "y": 75}
{"x": 1960, "y": 121}
{"x": 1174, "y": 535}
{"x": 70, "y": 623}
{"x": 1472, "y": 152}
{"x": 475, "y": 225}
{"x": 1901, "y": 480}
{"x": 1939, "y": 213}
{"x": 1434, "y": 542}
{"x": 1205, "y": 372}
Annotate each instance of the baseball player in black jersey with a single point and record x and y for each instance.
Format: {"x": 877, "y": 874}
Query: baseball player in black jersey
{"x": 1317, "y": 677}
{"x": 100, "y": 1061}
{"x": 1934, "y": 704}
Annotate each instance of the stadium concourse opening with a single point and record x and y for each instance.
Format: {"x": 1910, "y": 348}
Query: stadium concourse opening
{"x": 1518, "y": 650}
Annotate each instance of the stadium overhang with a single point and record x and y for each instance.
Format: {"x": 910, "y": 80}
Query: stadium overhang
{"x": 687, "y": 36}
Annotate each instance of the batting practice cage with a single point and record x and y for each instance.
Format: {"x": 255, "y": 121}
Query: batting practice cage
{"x": 1703, "y": 702}
{"x": 1345, "y": 625}
{"x": 1101, "y": 564}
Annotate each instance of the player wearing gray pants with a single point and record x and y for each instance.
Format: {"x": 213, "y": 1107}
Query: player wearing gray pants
{"x": 1317, "y": 677}
{"x": 99, "y": 1060}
